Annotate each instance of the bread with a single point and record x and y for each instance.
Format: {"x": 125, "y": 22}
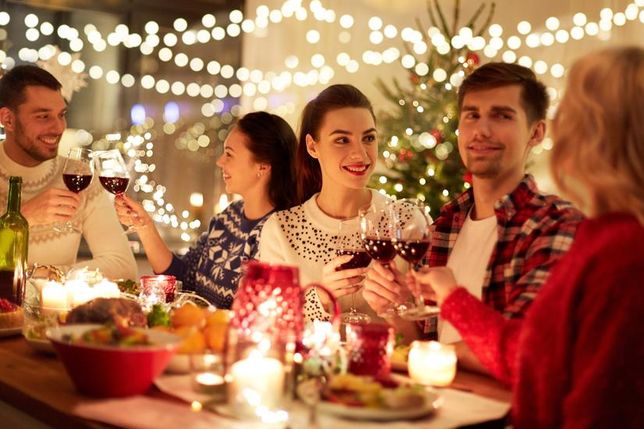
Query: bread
{"x": 11, "y": 316}
{"x": 118, "y": 311}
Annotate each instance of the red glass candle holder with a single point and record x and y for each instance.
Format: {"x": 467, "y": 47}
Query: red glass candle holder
{"x": 369, "y": 347}
{"x": 167, "y": 284}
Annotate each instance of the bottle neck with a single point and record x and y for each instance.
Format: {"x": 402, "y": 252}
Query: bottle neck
{"x": 13, "y": 198}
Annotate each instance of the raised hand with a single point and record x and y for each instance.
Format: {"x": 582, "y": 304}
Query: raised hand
{"x": 384, "y": 287}
{"x": 437, "y": 281}
{"x": 342, "y": 282}
{"x": 130, "y": 212}
{"x": 51, "y": 206}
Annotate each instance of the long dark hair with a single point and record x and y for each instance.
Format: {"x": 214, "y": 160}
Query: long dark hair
{"x": 309, "y": 174}
{"x": 271, "y": 140}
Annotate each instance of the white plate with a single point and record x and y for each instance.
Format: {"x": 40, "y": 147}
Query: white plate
{"x": 432, "y": 403}
{"x": 7, "y": 332}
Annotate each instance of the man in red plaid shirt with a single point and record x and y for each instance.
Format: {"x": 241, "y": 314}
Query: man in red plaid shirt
{"x": 502, "y": 236}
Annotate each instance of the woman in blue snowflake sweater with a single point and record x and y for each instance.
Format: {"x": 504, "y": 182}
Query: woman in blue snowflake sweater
{"x": 258, "y": 164}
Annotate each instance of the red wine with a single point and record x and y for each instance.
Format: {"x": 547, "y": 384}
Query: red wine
{"x": 382, "y": 250}
{"x": 115, "y": 185}
{"x": 412, "y": 250}
{"x": 77, "y": 182}
{"x": 360, "y": 259}
{"x": 6, "y": 285}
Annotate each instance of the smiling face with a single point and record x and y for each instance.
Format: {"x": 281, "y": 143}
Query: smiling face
{"x": 346, "y": 148}
{"x": 494, "y": 134}
{"x": 34, "y": 129}
{"x": 241, "y": 172}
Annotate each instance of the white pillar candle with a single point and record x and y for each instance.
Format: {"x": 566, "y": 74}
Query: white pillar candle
{"x": 78, "y": 292}
{"x": 106, "y": 289}
{"x": 54, "y": 296}
{"x": 431, "y": 362}
{"x": 256, "y": 381}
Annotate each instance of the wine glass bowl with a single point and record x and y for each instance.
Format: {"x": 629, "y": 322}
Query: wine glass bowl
{"x": 78, "y": 171}
{"x": 376, "y": 232}
{"x": 113, "y": 174}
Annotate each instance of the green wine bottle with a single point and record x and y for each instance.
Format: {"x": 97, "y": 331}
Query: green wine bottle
{"x": 14, "y": 240}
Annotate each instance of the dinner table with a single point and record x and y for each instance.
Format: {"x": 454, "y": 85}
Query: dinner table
{"x": 34, "y": 387}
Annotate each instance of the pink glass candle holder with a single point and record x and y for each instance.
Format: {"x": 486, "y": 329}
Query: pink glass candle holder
{"x": 369, "y": 347}
{"x": 159, "y": 288}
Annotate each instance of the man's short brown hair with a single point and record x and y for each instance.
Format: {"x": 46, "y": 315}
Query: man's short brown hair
{"x": 534, "y": 97}
{"x": 15, "y": 81}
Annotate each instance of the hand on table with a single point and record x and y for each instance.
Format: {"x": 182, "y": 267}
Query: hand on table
{"x": 437, "y": 281}
{"x": 51, "y": 206}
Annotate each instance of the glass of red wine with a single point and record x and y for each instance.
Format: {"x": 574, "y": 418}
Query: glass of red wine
{"x": 113, "y": 174}
{"x": 77, "y": 175}
{"x": 376, "y": 233}
{"x": 348, "y": 243}
{"x": 411, "y": 239}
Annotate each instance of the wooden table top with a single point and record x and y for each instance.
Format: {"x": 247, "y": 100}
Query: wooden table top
{"x": 37, "y": 384}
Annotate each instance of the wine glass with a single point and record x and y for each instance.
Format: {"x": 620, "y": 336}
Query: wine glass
{"x": 77, "y": 175}
{"x": 376, "y": 233}
{"x": 113, "y": 174}
{"x": 412, "y": 237}
{"x": 348, "y": 243}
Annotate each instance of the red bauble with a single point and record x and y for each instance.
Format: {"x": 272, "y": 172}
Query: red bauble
{"x": 437, "y": 135}
{"x": 472, "y": 59}
{"x": 467, "y": 177}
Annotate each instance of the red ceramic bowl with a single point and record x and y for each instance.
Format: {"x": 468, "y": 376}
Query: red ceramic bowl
{"x": 111, "y": 371}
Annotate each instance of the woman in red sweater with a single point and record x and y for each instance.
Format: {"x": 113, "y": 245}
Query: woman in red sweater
{"x": 577, "y": 359}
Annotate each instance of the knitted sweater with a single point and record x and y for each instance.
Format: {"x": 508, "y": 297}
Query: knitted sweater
{"x": 212, "y": 267}
{"x": 304, "y": 236}
{"x": 577, "y": 360}
{"x": 96, "y": 218}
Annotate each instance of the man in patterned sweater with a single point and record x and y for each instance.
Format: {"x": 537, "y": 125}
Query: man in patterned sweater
{"x": 502, "y": 236}
{"x": 32, "y": 111}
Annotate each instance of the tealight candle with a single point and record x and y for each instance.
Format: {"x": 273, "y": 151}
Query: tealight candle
{"x": 432, "y": 363}
{"x": 106, "y": 289}
{"x": 78, "y": 292}
{"x": 54, "y": 296}
{"x": 256, "y": 381}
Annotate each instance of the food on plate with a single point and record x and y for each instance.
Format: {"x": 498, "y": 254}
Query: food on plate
{"x": 111, "y": 335}
{"x": 199, "y": 328}
{"x": 45, "y": 272}
{"x": 158, "y": 316}
{"x": 364, "y": 391}
{"x": 400, "y": 356}
{"x": 118, "y": 311}
{"x": 189, "y": 314}
{"x": 128, "y": 286}
{"x": 11, "y": 316}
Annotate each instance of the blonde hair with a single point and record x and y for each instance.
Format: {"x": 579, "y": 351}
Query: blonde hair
{"x": 599, "y": 131}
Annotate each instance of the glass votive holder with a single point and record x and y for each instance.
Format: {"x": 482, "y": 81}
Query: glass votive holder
{"x": 157, "y": 289}
{"x": 207, "y": 372}
{"x": 432, "y": 363}
{"x": 369, "y": 348}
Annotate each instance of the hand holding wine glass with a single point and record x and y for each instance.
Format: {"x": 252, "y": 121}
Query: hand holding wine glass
{"x": 113, "y": 174}
{"x": 348, "y": 244}
{"x": 412, "y": 239}
{"x": 77, "y": 175}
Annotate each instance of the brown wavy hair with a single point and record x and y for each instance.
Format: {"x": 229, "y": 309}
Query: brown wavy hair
{"x": 599, "y": 132}
{"x": 309, "y": 174}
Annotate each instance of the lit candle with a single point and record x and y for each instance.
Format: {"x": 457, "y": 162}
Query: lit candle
{"x": 78, "y": 292}
{"x": 431, "y": 362}
{"x": 256, "y": 381}
{"x": 106, "y": 289}
{"x": 54, "y": 296}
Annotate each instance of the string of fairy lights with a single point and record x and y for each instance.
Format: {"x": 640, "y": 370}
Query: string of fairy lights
{"x": 258, "y": 85}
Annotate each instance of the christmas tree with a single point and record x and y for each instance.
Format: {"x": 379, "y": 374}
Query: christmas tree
{"x": 418, "y": 134}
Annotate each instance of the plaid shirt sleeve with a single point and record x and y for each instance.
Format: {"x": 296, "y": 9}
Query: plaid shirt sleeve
{"x": 546, "y": 238}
